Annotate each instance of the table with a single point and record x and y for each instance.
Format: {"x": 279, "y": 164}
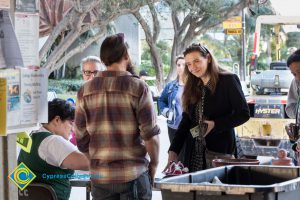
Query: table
{"x": 82, "y": 183}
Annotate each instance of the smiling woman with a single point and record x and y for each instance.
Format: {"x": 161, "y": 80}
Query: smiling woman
{"x": 213, "y": 104}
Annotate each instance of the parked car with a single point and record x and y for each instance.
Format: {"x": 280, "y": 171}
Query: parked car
{"x": 277, "y": 79}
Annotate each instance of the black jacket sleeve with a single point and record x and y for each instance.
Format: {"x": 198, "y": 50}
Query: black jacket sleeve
{"x": 240, "y": 110}
{"x": 181, "y": 134}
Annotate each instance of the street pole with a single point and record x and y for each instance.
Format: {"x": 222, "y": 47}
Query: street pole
{"x": 243, "y": 57}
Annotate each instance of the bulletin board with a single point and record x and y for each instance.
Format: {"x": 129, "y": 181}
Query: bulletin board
{"x": 23, "y": 102}
{"x": 23, "y": 88}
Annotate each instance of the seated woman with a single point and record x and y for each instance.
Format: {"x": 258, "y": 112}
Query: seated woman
{"x": 51, "y": 152}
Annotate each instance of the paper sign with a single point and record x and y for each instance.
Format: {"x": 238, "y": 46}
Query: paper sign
{"x": 31, "y": 6}
{"x": 4, "y": 4}
{"x": 27, "y": 32}
{"x": 237, "y": 31}
{"x": 24, "y": 141}
{"x": 10, "y": 50}
{"x": 3, "y": 87}
{"x": 26, "y": 98}
{"x": 233, "y": 23}
{"x": 13, "y": 96}
{"x": 34, "y": 104}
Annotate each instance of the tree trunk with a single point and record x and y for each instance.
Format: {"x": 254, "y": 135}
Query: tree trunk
{"x": 63, "y": 74}
{"x": 157, "y": 62}
{"x": 174, "y": 53}
{"x": 151, "y": 38}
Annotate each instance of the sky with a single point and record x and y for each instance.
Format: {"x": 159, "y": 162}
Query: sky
{"x": 287, "y": 7}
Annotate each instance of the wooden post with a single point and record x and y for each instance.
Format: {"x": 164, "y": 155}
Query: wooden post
{"x": 9, "y": 162}
{"x": 8, "y": 154}
{"x": 2, "y": 166}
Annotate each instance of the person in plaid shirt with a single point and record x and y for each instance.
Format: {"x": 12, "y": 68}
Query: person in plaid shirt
{"x": 116, "y": 127}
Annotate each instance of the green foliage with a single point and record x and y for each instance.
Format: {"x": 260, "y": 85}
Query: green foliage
{"x": 64, "y": 85}
{"x": 293, "y": 39}
{"x": 150, "y": 82}
{"x": 266, "y": 31}
{"x": 164, "y": 48}
{"x": 262, "y": 62}
{"x": 284, "y": 52}
{"x": 226, "y": 53}
{"x": 265, "y": 9}
{"x": 66, "y": 96}
{"x": 220, "y": 51}
{"x": 165, "y": 51}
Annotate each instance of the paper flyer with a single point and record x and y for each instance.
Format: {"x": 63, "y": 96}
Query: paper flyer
{"x": 31, "y": 6}
{"x": 10, "y": 50}
{"x": 24, "y": 141}
{"x": 3, "y": 87}
{"x": 27, "y": 32}
{"x": 13, "y": 96}
{"x": 2, "y": 59}
{"x": 34, "y": 104}
{"x": 4, "y": 4}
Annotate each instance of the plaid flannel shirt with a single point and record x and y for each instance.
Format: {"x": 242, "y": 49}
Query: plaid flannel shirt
{"x": 114, "y": 115}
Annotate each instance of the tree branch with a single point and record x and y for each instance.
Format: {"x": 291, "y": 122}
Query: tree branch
{"x": 186, "y": 22}
{"x": 77, "y": 17}
{"x": 144, "y": 25}
{"x": 225, "y": 13}
{"x": 56, "y": 32}
{"x": 189, "y": 35}
{"x": 80, "y": 48}
{"x": 175, "y": 21}
{"x": 156, "y": 24}
{"x": 60, "y": 49}
{"x": 77, "y": 5}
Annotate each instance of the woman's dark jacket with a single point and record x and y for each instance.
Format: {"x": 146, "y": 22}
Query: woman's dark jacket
{"x": 227, "y": 107}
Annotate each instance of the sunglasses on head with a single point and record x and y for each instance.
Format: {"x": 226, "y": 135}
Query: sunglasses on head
{"x": 202, "y": 48}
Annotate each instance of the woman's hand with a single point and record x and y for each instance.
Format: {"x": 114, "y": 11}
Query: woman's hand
{"x": 289, "y": 132}
{"x": 172, "y": 157}
{"x": 210, "y": 126}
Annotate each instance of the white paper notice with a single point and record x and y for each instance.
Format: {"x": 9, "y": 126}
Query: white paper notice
{"x": 2, "y": 60}
{"x": 4, "y": 4}
{"x": 10, "y": 50}
{"x": 27, "y": 32}
{"x": 13, "y": 96}
{"x": 34, "y": 104}
{"x": 27, "y": 6}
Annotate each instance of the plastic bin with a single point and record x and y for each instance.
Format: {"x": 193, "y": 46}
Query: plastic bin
{"x": 238, "y": 183}
{"x": 231, "y": 161}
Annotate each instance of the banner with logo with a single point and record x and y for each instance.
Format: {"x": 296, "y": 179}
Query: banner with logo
{"x": 269, "y": 111}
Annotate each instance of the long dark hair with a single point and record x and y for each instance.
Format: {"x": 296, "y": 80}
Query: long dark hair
{"x": 192, "y": 88}
{"x": 113, "y": 49}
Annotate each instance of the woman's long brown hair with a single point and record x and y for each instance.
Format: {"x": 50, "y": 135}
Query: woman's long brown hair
{"x": 192, "y": 88}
